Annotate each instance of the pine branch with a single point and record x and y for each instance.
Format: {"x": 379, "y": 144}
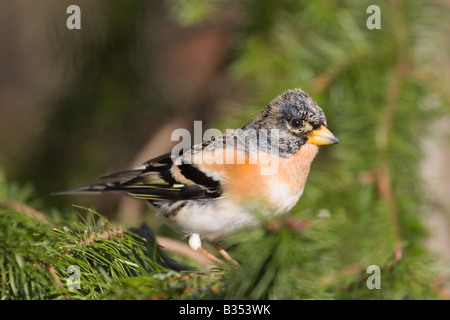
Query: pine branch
{"x": 385, "y": 131}
{"x": 27, "y": 210}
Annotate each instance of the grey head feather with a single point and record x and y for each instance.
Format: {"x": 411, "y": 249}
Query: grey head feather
{"x": 291, "y": 104}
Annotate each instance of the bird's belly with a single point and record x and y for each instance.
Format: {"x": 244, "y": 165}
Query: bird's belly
{"x": 283, "y": 198}
{"x": 212, "y": 220}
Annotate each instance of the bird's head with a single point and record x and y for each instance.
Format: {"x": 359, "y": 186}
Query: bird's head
{"x": 299, "y": 120}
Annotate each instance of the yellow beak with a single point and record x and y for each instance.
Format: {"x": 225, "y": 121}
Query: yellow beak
{"x": 322, "y": 136}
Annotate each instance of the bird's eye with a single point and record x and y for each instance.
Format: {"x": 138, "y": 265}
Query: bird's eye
{"x": 296, "y": 122}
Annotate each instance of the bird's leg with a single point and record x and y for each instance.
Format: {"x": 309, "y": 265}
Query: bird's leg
{"x": 225, "y": 254}
{"x": 196, "y": 244}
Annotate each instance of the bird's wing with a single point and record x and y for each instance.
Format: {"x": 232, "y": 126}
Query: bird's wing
{"x": 161, "y": 178}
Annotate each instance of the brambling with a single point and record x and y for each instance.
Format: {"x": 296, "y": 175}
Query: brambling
{"x": 212, "y": 190}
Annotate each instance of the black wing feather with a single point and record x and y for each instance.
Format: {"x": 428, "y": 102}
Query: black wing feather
{"x": 154, "y": 181}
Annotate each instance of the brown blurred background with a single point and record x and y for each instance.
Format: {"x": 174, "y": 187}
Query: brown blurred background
{"x": 71, "y": 99}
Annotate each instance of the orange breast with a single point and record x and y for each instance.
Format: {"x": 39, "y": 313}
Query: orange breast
{"x": 264, "y": 178}
{"x": 294, "y": 170}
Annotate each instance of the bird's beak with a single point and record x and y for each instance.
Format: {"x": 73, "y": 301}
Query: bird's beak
{"x": 322, "y": 136}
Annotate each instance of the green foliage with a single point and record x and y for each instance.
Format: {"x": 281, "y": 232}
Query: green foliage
{"x": 37, "y": 258}
{"x": 293, "y": 257}
{"x": 188, "y": 12}
{"x": 284, "y": 259}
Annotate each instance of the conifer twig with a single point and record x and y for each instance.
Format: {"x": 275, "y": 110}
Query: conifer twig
{"x": 322, "y": 81}
{"x": 93, "y": 237}
{"x": 27, "y": 210}
{"x": 52, "y": 271}
{"x": 184, "y": 250}
{"x": 383, "y": 175}
{"x": 165, "y": 243}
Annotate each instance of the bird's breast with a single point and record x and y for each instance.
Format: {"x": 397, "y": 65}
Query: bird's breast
{"x": 285, "y": 188}
{"x": 275, "y": 181}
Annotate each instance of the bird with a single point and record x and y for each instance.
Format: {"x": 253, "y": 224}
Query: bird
{"x": 212, "y": 190}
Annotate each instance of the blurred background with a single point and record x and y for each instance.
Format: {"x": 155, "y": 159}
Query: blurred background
{"x": 76, "y": 104}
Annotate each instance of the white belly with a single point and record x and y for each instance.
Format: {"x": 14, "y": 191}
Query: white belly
{"x": 284, "y": 197}
{"x": 212, "y": 220}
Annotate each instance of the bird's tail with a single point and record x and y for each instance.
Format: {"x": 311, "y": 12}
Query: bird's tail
{"x": 137, "y": 191}
{"x": 110, "y": 187}
{"x": 125, "y": 180}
